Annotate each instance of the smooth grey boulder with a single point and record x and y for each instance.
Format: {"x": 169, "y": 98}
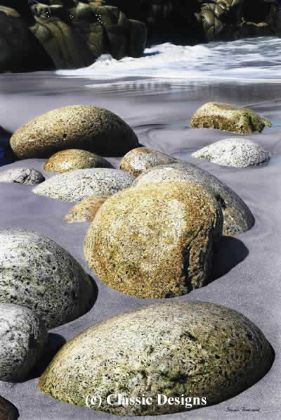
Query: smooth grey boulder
{"x": 22, "y": 340}
{"x": 237, "y": 215}
{"x": 22, "y": 176}
{"x": 37, "y": 273}
{"x": 7, "y": 410}
{"x": 194, "y": 349}
{"x": 75, "y": 185}
{"x": 236, "y": 152}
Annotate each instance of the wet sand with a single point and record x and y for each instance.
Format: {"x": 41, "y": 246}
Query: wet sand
{"x": 247, "y": 268}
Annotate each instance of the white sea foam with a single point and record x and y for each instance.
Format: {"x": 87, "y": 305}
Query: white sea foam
{"x": 256, "y": 59}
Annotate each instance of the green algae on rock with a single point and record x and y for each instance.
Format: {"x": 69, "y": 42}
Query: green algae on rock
{"x": 85, "y": 210}
{"x": 235, "y": 152}
{"x": 70, "y": 159}
{"x": 22, "y": 340}
{"x": 39, "y": 274}
{"x": 228, "y": 118}
{"x": 155, "y": 241}
{"x": 7, "y": 410}
{"x": 237, "y": 216}
{"x": 76, "y": 126}
{"x": 195, "y": 349}
{"x": 75, "y": 185}
{"x": 140, "y": 159}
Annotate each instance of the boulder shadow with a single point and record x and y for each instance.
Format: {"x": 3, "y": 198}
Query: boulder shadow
{"x": 228, "y": 253}
{"x": 54, "y": 344}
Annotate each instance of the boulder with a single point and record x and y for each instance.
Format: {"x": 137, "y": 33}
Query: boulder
{"x": 140, "y": 159}
{"x": 7, "y": 410}
{"x": 70, "y": 159}
{"x": 199, "y": 350}
{"x": 21, "y": 176}
{"x": 228, "y": 118}
{"x": 237, "y": 217}
{"x": 155, "y": 241}
{"x": 235, "y": 152}
{"x": 75, "y": 185}
{"x": 76, "y": 126}
{"x": 37, "y": 273}
{"x": 22, "y": 340}
{"x": 19, "y": 49}
{"x": 85, "y": 210}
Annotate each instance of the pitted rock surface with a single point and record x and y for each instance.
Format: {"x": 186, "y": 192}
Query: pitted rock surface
{"x": 237, "y": 216}
{"x": 228, "y": 118}
{"x": 39, "y": 274}
{"x": 155, "y": 241}
{"x": 22, "y": 176}
{"x": 76, "y": 126}
{"x": 191, "y": 348}
{"x": 75, "y": 185}
{"x": 22, "y": 340}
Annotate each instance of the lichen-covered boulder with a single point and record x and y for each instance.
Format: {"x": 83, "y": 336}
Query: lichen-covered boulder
{"x": 37, "y": 273}
{"x": 75, "y": 185}
{"x": 70, "y": 159}
{"x": 21, "y": 176}
{"x": 237, "y": 216}
{"x": 7, "y": 410}
{"x": 22, "y": 340}
{"x": 140, "y": 159}
{"x": 193, "y": 349}
{"x": 228, "y": 118}
{"x": 76, "y": 126}
{"x": 236, "y": 152}
{"x": 155, "y": 241}
{"x": 85, "y": 210}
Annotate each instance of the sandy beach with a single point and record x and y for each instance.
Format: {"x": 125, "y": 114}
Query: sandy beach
{"x": 247, "y": 268}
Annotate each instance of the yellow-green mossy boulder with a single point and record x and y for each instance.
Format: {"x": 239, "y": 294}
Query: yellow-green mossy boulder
{"x": 85, "y": 210}
{"x": 70, "y": 159}
{"x": 199, "y": 350}
{"x": 140, "y": 159}
{"x": 155, "y": 241}
{"x": 228, "y": 118}
{"x": 76, "y": 126}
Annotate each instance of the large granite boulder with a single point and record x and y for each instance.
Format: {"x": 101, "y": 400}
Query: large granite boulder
{"x": 70, "y": 159}
{"x": 228, "y": 117}
{"x": 155, "y": 241}
{"x": 22, "y": 340}
{"x": 39, "y": 274}
{"x": 75, "y": 185}
{"x": 140, "y": 159}
{"x": 7, "y": 410}
{"x": 237, "y": 217}
{"x": 235, "y": 152}
{"x": 76, "y": 126}
{"x": 188, "y": 349}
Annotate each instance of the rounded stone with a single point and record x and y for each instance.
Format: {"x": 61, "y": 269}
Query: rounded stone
{"x": 39, "y": 274}
{"x": 75, "y": 185}
{"x": 7, "y": 410}
{"x": 77, "y": 126}
{"x": 235, "y": 152}
{"x": 237, "y": 216}
{"x": 228, "y": 117}
{"x": 155, "y": 241}
{"x": 175, "y": 349}
{"x": 142, "y": 158}
{"x": 22, "y": 340}
{"x": 85, "y": 210}
{"x": 70, "y": 159}
{"x": 21, "y": 176}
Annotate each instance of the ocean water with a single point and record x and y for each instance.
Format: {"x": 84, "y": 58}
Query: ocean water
{"x": 253, "y": 60}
